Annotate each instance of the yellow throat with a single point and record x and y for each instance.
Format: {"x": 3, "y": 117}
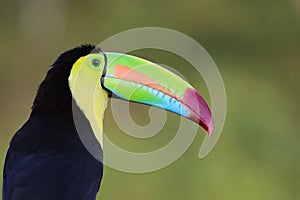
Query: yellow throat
{"x": 86, "y": 89}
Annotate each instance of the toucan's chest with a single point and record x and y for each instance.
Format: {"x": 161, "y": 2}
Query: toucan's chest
{"x": 45, "y": 132}
{"x": 47, "y": 160}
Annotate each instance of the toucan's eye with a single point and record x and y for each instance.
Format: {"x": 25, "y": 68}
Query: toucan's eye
{"x": 96, "y": 62}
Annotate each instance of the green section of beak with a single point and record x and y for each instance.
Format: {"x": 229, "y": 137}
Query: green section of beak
{"x": 135, "y": 79}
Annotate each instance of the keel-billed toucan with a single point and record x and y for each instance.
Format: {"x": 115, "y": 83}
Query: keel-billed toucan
{"x": 47, "y": 159}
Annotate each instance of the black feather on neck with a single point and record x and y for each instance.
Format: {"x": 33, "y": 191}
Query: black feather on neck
{"x": 54, "y": 95}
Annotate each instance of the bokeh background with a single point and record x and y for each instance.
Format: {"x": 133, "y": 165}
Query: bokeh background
{"x": 255, "y": 44}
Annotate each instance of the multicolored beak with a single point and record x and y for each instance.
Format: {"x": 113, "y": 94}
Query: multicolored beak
{"x": 138, "y": 80}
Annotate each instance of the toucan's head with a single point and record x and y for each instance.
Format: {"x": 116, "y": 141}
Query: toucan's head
{"x": 93, "y": 75}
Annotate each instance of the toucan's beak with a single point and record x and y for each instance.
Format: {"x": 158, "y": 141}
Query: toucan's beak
{"x": 138, "y": 80}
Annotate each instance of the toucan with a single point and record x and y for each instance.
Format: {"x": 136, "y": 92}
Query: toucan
{"x": 48, "y": 156}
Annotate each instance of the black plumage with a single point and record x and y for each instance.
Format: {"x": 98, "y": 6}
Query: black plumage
{"x": 46, "y": 158}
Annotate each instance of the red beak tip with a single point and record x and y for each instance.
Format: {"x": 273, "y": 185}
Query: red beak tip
{"x": 210, "y": 128}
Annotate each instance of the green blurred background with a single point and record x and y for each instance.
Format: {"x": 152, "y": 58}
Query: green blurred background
{"x": 255, "y": 44}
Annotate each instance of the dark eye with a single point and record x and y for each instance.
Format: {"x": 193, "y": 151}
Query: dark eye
{"x": 96, "y": 62}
